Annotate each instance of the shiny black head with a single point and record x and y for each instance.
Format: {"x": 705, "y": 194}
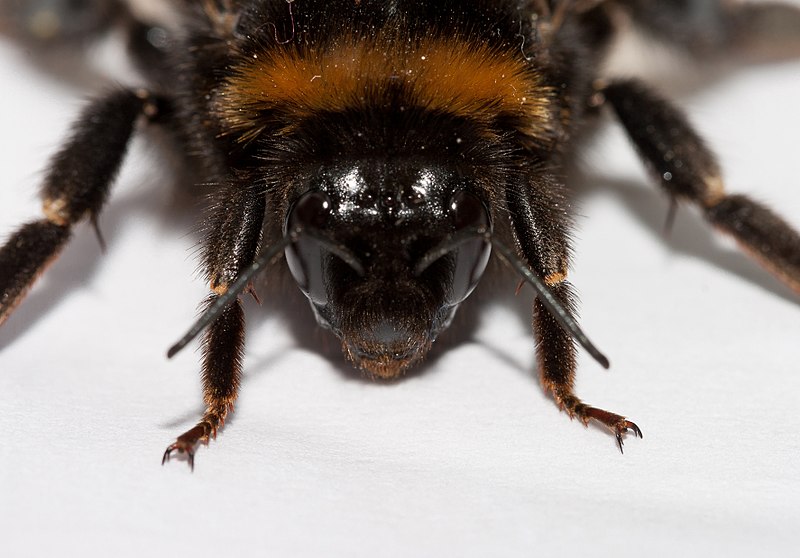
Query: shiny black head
{"x": 369, "y": 263}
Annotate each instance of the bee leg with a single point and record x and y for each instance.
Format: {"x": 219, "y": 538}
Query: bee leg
{"x": 540, "y": 223}
{"x": 687, "y": 170}
{"x": 58, "y": 22}
{"x": 231, "y": 246}
{"x": 556, "y": 353}
{"x": 763, "y": 30}
{"x": 223, "y": 346}
{"x": 75, "y": 187}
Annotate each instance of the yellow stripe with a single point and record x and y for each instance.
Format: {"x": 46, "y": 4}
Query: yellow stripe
{"x": 454, "y": 76}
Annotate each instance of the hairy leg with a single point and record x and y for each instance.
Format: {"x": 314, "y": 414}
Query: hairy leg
{"x": 232, "y": 241}
{"x": 75, "y": 188}
{"x": 688, "y": 171}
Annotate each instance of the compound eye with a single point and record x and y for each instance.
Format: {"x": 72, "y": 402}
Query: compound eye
{"x": 468, "y": 212}
{"x": 307, "y": 257}
{"x": 312, "y": 209}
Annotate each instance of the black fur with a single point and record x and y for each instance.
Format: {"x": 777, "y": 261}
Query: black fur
{"x": 388, "y": 175}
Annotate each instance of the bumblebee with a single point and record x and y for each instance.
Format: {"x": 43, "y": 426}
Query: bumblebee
{"x": 385, "y": 149}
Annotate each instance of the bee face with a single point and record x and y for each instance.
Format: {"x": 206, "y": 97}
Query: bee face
{"x": 370, "y": 270}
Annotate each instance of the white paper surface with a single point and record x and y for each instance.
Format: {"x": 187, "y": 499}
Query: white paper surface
{"x": 465, "y": 457}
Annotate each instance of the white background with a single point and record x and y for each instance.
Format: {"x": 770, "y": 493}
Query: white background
{"x": 465, "y": 457}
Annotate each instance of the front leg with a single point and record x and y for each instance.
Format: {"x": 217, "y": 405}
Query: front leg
{"x": 231, "y": 247}
{"x": 540, "y": 221}
{"x": 556, "y": 353}
{"x": 223, "y": 345}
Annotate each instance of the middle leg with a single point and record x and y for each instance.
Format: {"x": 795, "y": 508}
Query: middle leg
{"x": 688, "y": 170}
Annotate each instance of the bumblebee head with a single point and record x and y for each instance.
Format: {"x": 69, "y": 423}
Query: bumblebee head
{"x": 385, "y": 260}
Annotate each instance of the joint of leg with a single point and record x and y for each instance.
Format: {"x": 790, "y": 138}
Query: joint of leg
{"x": 555, "y": 278}
{"x": 714, "y": 192}
{"x": 598, "y": 98}
{"x": 149, "y": 105}
{"x": 218, "y": 289}
{"x": 57, "y": 211}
